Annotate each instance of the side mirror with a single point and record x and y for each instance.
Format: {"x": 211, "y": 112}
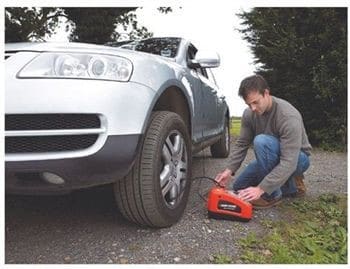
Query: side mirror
{"x": 205, "y": 59}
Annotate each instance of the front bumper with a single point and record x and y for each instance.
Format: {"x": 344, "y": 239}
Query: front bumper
{"x": 122, "y": 110}
{"x": 109, "y": 164}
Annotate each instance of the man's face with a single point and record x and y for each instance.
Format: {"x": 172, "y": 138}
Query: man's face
{"x": 258, "y": 103}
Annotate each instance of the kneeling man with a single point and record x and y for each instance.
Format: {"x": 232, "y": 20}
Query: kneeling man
{"x": 281, "y": 147}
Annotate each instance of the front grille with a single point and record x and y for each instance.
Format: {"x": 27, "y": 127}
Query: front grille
{"x": 24, "y": 122}
{"x": 44, "y": 133}
{"x": 41, "y": 144}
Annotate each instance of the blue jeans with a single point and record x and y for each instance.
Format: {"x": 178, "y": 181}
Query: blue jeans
{"x": 267, "y": 153}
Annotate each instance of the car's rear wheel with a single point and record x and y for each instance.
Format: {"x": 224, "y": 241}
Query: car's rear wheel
{"x": 221, "y": 149}
{"x": 155, "y": 192}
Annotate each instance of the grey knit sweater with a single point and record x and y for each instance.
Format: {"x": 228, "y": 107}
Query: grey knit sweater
{"x": 282, "y": 121}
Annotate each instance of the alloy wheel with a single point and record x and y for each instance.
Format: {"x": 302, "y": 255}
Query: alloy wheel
{"x": 173, "y": 174}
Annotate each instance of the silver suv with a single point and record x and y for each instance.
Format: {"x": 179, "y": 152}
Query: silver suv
{"x": 80, "y": 115}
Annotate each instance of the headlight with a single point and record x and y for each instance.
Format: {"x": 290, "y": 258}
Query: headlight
{"x": 72, "y": 65}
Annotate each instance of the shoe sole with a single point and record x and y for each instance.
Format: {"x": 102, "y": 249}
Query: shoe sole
{"x": 267, "y": 206}
{"x": 294, "y": 195}
{"x": 300, "y": 194}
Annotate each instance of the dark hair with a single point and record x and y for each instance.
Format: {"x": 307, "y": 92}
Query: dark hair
{"x": 251, "y": 84}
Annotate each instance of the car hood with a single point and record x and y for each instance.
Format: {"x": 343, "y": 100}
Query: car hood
{"x": 43, "y": 46}
{"x": 79, "y": 47}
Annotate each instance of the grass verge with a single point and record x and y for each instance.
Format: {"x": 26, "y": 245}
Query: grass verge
{"x": 235, "y": 127}
{"x": 315, "y": 233}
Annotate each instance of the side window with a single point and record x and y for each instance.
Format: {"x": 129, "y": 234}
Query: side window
{"x": 203, "y": 71}
{"x": 191, "y": 54}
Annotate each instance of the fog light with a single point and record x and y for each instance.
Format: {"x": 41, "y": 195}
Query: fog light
{"x": 52, "y": 178}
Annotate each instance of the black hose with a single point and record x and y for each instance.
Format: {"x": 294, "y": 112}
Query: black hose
{"x": 209, "y": 178}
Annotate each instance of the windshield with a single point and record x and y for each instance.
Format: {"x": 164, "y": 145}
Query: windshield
{"x": 166, "y": 46}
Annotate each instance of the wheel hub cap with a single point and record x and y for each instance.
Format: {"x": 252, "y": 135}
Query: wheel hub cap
{"x": 173, "y": 174}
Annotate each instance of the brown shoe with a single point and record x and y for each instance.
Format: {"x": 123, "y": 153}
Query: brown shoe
{"x": 262, "y": 203}
{"x": 299, "y": 182}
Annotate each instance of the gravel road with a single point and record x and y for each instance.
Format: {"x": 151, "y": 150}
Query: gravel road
{"x": 85, "y": 227}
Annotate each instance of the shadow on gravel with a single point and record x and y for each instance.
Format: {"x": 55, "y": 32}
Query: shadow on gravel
{"x": 90, "y": 205}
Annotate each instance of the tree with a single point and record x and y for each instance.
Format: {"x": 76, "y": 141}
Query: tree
{"x": 97, "y": 25}
{"x": 92, "y": 25}
{"x": 302, "y": 52}
{"x": 26, "y": 24}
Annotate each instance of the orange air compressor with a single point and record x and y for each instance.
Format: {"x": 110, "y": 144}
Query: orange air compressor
{"x": 225, "y": 204}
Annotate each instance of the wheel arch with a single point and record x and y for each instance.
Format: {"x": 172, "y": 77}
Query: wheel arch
{"x": 174, "y": 98}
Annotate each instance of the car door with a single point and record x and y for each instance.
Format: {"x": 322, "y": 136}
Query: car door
{"x": 209, "y": 104}
{"x": 195, "y": 83}
{"x": 205, "y": 100}
{"x": 221, "y": 103}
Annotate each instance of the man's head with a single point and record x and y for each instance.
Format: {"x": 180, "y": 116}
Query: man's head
{"x": 256, "y": 93}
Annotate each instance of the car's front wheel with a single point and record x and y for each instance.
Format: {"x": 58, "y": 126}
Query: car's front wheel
{"x": 155, "y": 192}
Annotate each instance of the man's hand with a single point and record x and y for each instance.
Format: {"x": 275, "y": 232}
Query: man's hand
{"x": 250, "y": 193}
{"x": 224, "y": 176}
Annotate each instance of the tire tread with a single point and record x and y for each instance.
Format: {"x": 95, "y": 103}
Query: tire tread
{"x": 134, "y": 193}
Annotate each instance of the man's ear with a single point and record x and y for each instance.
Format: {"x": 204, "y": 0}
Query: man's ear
{"x": 266, "y": 91}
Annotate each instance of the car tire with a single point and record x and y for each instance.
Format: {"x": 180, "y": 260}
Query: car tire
{"x": 221, "y": 149}
{"x": 156, "y": 190}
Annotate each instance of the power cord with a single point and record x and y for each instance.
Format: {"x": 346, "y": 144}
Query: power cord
{"x": 209, "y": 178}
{"x": 200, "y": 182}
{"x": 204, "y": 177}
